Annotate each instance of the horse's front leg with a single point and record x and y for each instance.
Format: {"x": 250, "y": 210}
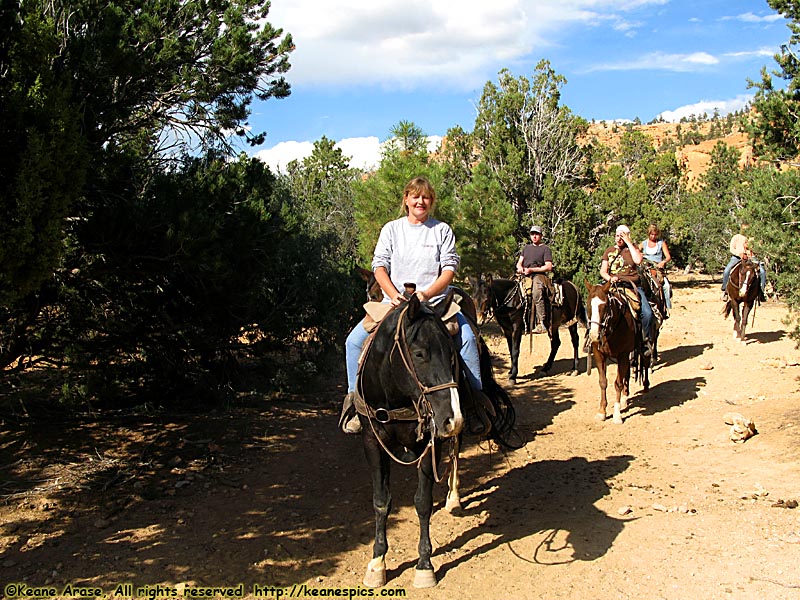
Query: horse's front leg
{"x": 621, "y": 385}
{"x": 424, "y": 577}
{"x": 743, "y": 322}
{"x": 600, "y": 361}
{"x": 453, "y": 502}
{"x": 515, "y": 343}
{"x": 382, "y": 503}
{"x": 555, "y": 343}
{"x": 737, "y": 320}
{"x": 573, "y": 334}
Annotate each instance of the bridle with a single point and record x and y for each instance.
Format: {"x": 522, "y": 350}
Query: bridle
{"x": 608, "y": 314}
{"x": 422, "y": 408}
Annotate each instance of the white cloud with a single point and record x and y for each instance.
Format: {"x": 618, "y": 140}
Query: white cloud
{"x": 456, "y": 43}
{"x": 760, "y": 53}
{"x": 694, "y": 61}
{"x": 752, "y": 18}
{"x": 363, "y": 152}
{"x": 723, "y": 107}
{"x": 282, "y": 154}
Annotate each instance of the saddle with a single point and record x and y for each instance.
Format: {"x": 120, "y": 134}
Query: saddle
{"x": 553, "y": 296}
{"x": 376, "y": 311}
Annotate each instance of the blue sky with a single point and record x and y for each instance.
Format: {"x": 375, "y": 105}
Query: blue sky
{"x": 361, "y": 66}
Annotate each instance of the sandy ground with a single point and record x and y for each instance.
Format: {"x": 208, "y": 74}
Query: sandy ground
{"x": 663, "y": 506}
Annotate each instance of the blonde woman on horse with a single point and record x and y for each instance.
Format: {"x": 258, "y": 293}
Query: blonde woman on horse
{"x": 740, "y": 249}
{"x": 414, "y": 248}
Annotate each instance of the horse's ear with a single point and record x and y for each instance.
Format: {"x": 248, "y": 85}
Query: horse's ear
{"x": 587, "y": 284}
{"x": 489, "y": 279}
{"x": 473, "y": 282}
{"x": 365, "y": 274}
{"x": 413, "y": 307}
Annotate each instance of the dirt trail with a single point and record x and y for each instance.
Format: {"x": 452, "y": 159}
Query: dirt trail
{"x": 663, "y": 506}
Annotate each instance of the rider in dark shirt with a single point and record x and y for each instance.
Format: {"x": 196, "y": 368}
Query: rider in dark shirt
{"x": 536, "y": 261}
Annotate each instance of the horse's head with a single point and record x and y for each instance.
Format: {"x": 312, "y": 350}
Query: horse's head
{"x": 433, "y": 364}
{"x": 413, "y": 363}
{"x": 374, "y": 291}
{"x": 481, "y": 296}
{"x": 596, "y": 307}
{"x": 748, "y": 277}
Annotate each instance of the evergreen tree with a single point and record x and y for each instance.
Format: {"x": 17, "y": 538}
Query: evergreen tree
{"x": 773, "y": 125}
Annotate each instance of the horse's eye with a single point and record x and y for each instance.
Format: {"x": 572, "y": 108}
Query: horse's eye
{"x": 421, "y": 354}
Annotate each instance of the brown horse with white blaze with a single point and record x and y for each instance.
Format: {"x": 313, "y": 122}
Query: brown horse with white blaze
{"x": 611, "y": 335}
{"x": 743, "y": 291}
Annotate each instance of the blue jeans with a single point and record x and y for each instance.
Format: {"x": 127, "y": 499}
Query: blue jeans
{"x": 465, "y": 341}
{"x": 667, "y": 293}
{"x": 647, "y": 314}
{"x": 726, "y": 274}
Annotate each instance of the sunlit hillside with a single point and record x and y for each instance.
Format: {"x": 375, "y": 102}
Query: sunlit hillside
{"x": 693, "y": 157}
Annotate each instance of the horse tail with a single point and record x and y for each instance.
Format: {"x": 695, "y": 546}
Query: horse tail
{"x": 581, "y": 313}
{"x": 505, "y": 417}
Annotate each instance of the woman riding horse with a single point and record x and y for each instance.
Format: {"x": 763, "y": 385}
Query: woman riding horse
{"x": 414, "y": 248}
{"x": 619, "y": 264}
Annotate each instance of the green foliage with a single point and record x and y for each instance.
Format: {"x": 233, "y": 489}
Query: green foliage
{"x": 774, "y": 126}
{"x": 178, "y": 278}
{"x": 124, "y": 256}
{"x": 44, "y": 159}
{"x": 773, "y": 210}
{"x": 484, "y": 225}
{"x": 321, "y": 199}
{"x": 528, "y": 139}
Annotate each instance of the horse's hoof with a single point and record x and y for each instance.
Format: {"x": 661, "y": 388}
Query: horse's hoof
{"x": 376, "y": 573}
{"x": 375, "y": 579}
{"x": 600, "y": 417}
{"x": 453, "y": 506}
{"x": 617, "y": 420}
{"x": 424, "y": 578}
{"x": 574, "y": 373}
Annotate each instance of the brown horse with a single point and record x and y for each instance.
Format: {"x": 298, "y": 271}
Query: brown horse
{"x": 612, "y": 335}
{"x": 743, "y": 289}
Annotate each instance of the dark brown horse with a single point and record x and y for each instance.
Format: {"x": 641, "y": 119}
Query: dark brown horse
{"x": 743, "y": 290}
{"x": 415, "y": 401}
{"x": 503, "y": 299}
{"x": 613, "y": 335}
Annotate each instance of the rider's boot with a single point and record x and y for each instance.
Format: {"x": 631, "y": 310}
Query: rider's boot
{"x": 540, "y": 317}
{"x": 348, "y": 420}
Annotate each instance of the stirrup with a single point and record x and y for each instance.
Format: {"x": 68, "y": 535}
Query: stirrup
{"x": 348, "y": 420}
